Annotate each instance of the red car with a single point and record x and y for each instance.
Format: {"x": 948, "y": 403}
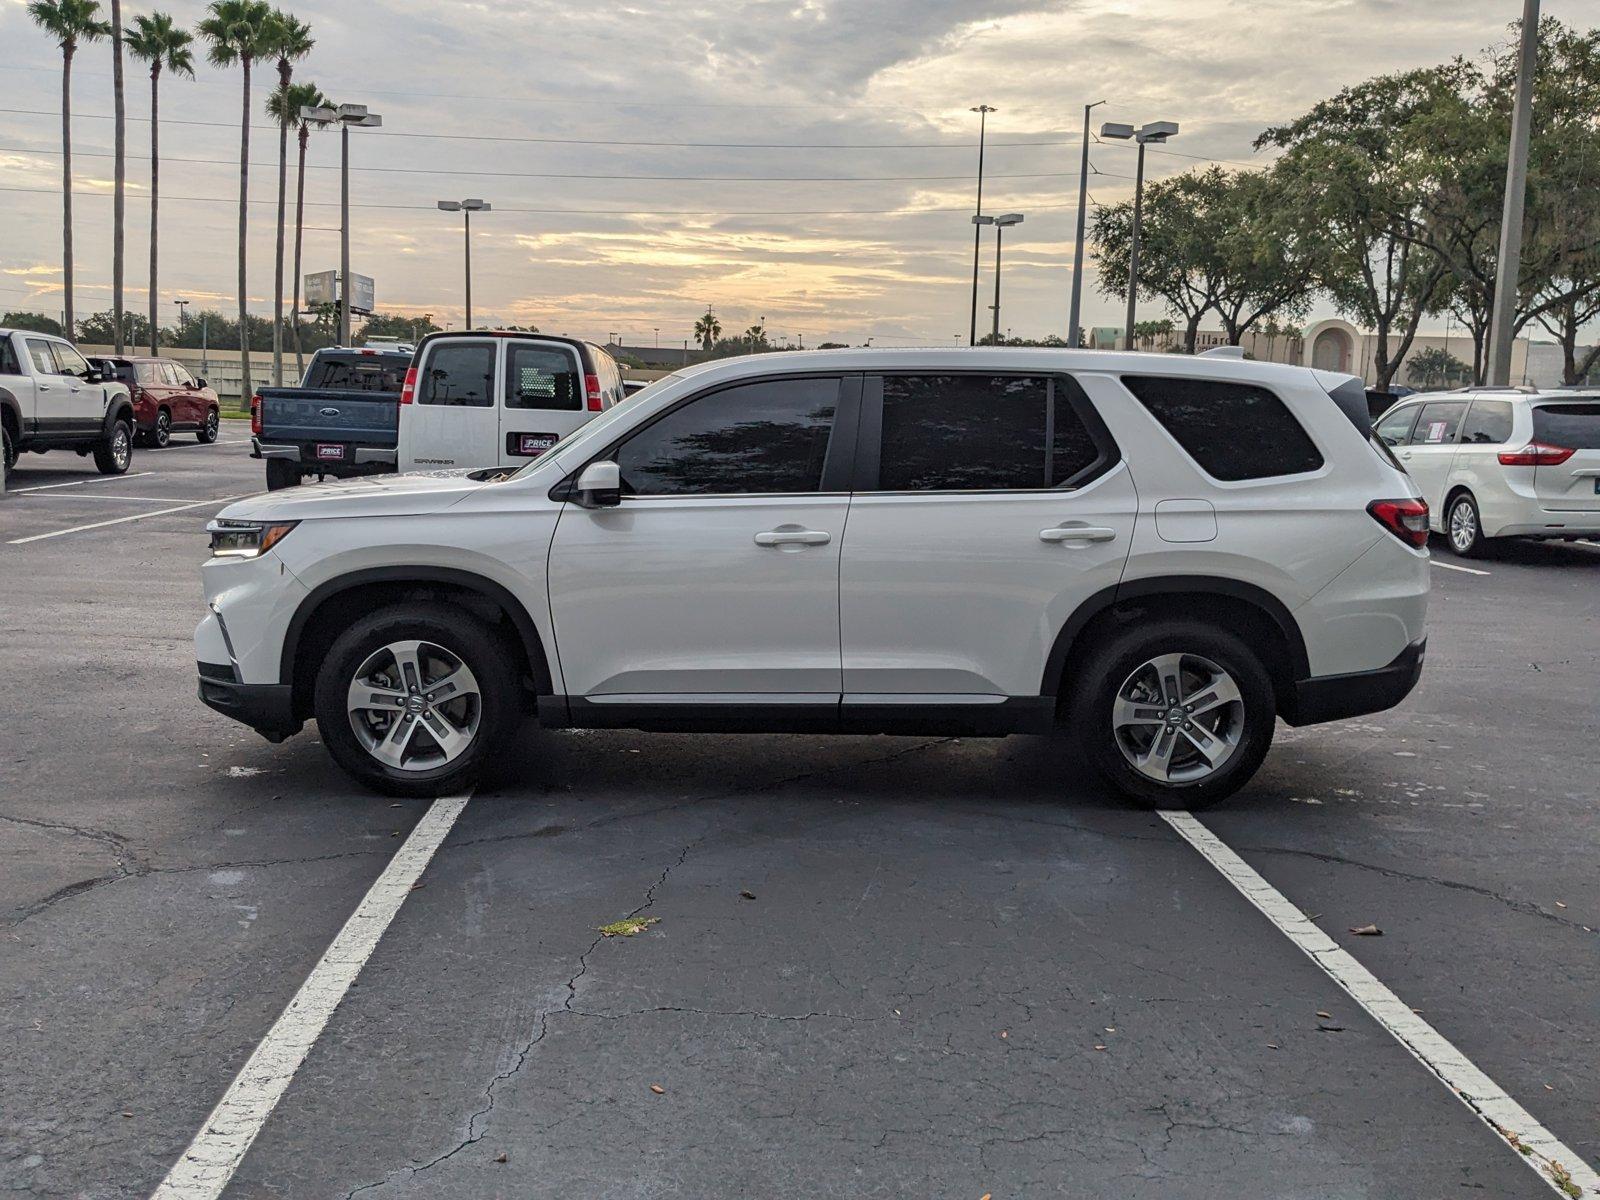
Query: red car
{"x": 165, "y": 398}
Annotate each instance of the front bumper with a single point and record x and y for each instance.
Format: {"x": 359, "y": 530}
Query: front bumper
{"x": 1335, "y": 697}
{"x": 268, "y": 708}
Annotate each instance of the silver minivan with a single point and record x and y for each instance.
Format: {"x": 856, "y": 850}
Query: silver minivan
{"x": 485, "y": 398}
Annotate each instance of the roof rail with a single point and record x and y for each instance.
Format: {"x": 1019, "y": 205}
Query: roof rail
{"x": 1222, "y": 352}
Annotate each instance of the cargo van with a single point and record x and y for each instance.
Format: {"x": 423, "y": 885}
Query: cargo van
{"x": 484, "y": 398}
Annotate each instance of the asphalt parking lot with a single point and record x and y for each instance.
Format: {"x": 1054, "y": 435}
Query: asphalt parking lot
{"x": 878, "y": 967}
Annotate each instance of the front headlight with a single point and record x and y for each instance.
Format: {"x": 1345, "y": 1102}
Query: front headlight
{"x": 246, "y": 539}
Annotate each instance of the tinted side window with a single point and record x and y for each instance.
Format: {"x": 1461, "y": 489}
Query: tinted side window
{"x": 954, "y": 433}
{"x": 1395, "y": 428}
{"x": 180, "y": 375}
{"x": 1233, "y": 430}
{"x": 8, "y": 358}
{"x": 764, "y": 437}
{"x": 1439, "y": 422}
{"x": 461, "y": 376}
{"x": 148, "y": 373}
{"x": 44, "y": 362}
{"x": 1488, "y": 423}
{"x": 542, "y": 377}
{"x": 70, "y": 362}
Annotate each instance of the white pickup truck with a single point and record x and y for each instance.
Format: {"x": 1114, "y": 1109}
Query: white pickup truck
{"x": 52, "y": 399}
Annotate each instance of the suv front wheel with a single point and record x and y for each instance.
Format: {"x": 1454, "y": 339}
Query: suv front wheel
{"x": 1175, "y": 714}
{"x": 114, "y": 453}
{"x": 412, "y": 699}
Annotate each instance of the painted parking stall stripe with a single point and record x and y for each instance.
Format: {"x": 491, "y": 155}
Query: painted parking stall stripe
{"x": 204, "y": 1169}
{"x": 1553, "y": 1161}
{"x": 1444, "y": 566}
{"x": 44, "y": 487}
{"x": 160, "y": 512}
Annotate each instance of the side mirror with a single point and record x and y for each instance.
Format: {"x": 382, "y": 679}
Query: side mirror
{"x": 93, "y": 376}
{"x": 599, "y": 486}
{"x": 199, "y": 382}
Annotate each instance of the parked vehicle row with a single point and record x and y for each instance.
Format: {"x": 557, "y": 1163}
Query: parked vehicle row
{"x": 1497, "y": 463}
{"x": 1164, "y": 554}
{"x": 166, "y": 398}
{"x": 52, "y": 398}
{"x": 460, "y": 399}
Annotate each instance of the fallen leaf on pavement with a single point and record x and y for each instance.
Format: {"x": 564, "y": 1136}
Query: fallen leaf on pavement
{"x": 1366, "y": 931}
{"x": 628, "y": 926}
{"x": 1559, "y": 904}
{"x": 748, "y": 895}
{"x": 1323, "y": 1015}
{"x": 501, "y": 1157}
{"x": 658, "y": 1089}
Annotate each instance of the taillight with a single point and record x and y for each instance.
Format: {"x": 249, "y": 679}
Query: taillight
{"x": 255, "y": 415}
{"x": 1535, "y": 454}
{"x": 591, "y": 388}
{"x": 408, "y": 389}
{"x": 1406, "y": 519}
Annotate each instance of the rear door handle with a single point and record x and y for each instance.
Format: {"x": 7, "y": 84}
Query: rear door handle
{"x": 793, "y": 537}
{"x": 1077, "y": 533}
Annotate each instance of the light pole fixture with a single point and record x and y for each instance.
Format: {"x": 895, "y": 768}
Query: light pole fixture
{"x": 344, "y": 115}
{"x": 1076, "y": 308}
{"x": 183, "y": 312}
{"x": 1502, "y": 328}
{"x": 983, "y": 111}
{"x": 466, "y": 208}
{"x": 1155, "y": 131}
{"x": 1001, "y": 223}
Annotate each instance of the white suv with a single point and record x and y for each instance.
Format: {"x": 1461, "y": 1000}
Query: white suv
{"x": 1167, "y": 553}
{"x": 1502, "y": 462}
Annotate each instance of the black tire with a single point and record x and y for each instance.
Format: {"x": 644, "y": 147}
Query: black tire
{"x": 207, "y": 433}
{"x": 8, "y": 449}
{"x": 1465, "y": 539}
{"x": 1115, "y": 663}
{"x": 161, "y": 432}
{"x": 457, "y": 633}
{"x": 281, "y": 473}
{"x": 113, "y": 454}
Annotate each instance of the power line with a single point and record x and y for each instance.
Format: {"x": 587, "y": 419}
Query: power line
{"x": 228, "y": 162}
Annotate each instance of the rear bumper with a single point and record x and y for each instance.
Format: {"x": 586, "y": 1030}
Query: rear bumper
{"x": 1335, "y": 697}
{"x": 363, "y": 460}
{"x": 268, "y": 708}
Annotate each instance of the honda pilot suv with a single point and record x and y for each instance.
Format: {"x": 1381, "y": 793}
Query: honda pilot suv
{"x": 1163, "y": 554}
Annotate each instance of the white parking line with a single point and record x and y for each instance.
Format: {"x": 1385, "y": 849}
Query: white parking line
{"x": 116, "y": 496}
{"x": 40, "y": 487}
{"x": 160, "y": 512}
{"x": 1452, "y": 567}
{"x": 1537, "y": 1146}
{"x": 203, "y": 1170}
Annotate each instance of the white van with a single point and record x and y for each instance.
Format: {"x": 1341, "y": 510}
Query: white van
{"x": 485, "y": 398}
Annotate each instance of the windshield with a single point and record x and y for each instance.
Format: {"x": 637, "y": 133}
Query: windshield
{"x": 600, "y": 422}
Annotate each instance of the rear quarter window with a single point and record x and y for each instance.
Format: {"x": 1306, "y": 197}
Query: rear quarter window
{"x": 1575, "y": 426}
{"x": 1234, "y": 431}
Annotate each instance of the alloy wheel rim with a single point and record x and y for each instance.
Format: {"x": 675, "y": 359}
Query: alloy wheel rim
{"x": 1463, "y": 525}
{"x": 119, "y": 447}
{"x": 211, "y": 426}
{"x": 163, "y": 429}
{"x": 414, "y": 705}
{"x": 1178, "y": 718}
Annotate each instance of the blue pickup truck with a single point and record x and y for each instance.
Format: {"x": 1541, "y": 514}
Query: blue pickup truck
{"x": 341, "y": 421}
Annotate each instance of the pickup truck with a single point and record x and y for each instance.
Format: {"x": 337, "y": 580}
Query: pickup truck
{"x": 341, "y": 420}
{"x": 52, "y": 398}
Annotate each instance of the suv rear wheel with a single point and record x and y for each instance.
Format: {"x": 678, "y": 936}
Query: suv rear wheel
{"x": 113, "y": 453}
{"x": 161, "y": 432}
{"x": 1175, "y": 714}
{"x": 412, "y": 699}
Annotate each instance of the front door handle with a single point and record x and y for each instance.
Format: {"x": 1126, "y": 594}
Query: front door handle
{"x": 793, "y": 537}
{"x": 1406, "y": 454}
{"x": 1077, "y": 533}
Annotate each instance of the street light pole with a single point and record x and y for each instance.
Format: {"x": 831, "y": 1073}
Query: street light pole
{"x": 983, "y": 111}
{"x": 466, "y": 208}
{"x": 1510, "y": 258}
{"x": 345, "y": 115}
{"x": 1155, "y": 131}
{"x": 1000, "y": 224}
{"x": 1073, "y": 316}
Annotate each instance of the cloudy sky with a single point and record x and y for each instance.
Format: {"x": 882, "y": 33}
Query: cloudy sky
{"x": 806, "y": 161}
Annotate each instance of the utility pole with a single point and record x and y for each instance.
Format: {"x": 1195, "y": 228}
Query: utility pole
{"x": 1074, "y": 314}
{"x": 1510, "y": 259}
{"x": 983, "y": 111}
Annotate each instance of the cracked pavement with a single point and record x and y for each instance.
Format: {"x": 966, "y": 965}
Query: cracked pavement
{"x": 964, "y": 970}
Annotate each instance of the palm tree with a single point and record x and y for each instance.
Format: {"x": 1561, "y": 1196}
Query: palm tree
{"x": 237, "y": 32}
{"x": 284, "y": 105}
{"x": 707, "y": 329}
{"x": 119, "y": 174}
{"x": 159, "y": 42}
{"x": 70, "y": 22}
{"x": 290, "y": 40}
